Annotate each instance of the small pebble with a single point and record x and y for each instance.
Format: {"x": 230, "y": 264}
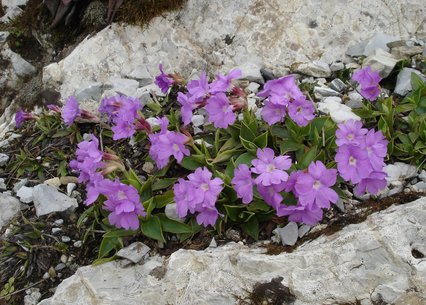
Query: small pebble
{"x": 64, "y": 258}
{"x": 233, "y": 235}
{"x": 78, "y": 244}
{"x": 58, "y": 222}
{"x": 213, "y": 243}
{"x": 303, "y": 230}
{"x": 337, "y": 66}
{"x": 56, "y": 230}
{"x": 65, "y": 239}
{"x": 60, "y": 266}
{"x": 70, "y": 187}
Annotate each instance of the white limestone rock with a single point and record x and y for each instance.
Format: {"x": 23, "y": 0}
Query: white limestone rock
{"x": 276, "y": 34}
{"x": 3, "y": 159}
{"x": 382, "y": 62}
{"x": 403, "y": 81}
{"x": 48, "y": 199}
{"x": 338, "y": 112}
{"x": 315, "y": 68}
{"x": 135, "y": 252}
{"x": 357, "y": 263}
{"x": 355, "y": 100}
{"x": 399, "y": 171}
{"x": 25, "y": 194}
{"x": 9, "y": 207}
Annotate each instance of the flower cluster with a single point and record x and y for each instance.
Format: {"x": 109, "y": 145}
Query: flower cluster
{"x": 123, "y": 112}
{"x": 313, "y": 191}
{"x": 164, "y": 81}
{"x": 167, "y": 143}
{"x": 369, "y": 82}
{"x": 360, "y": 157}
{"x": 198, "y": 194}
{"x": 21, "y": 116}
{"x": 218, "y": 98}
{"x": 71, "y": 111}
{"x": 122, "y": 200}
{"x": 284, "y": 96}
{"x": 270, "y": 181}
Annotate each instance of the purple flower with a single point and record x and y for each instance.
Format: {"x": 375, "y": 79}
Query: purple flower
{"x": 350, "y": 132}
{"x": 198, "y": 89}
{"x": 309, "y": 215}
{"x": 188, "y": 104}
{"x": 271, "y": 195}
{"x": 96, "y": 186}
{"x": 270, "y": 168}
{"x": 220, "y": 111}
{"x": 110, "y": 106}
{"x": 291, "y": 182}
{"x": 89, "y": 159}
{"x": 243, "y": 183}
{"x": 163, "y": 81}
{"x": 314, "y": 187}
{"x": 167, "y": 143}
{"x": 273, "y": 113}
{"x": 375, "y": 182}
{"x": 222, "y": 83}
{"x": 198, "y": 194}
{"x": 369, "y": 82}
{"x": 352, "y": 163}
{"x": 70, "y": 111}
{"x": 376, "y": 146}
{"x": 125, "y": 206}
{"x": 22, "y": 116}
{"x": 283, "y": 89}
{"x": 124, "y": 126}
{"x": 301, "y": 111}
{"x": 54, "y": 108}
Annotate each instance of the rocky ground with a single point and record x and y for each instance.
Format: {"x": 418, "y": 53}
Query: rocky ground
{"x": 357, "y": 255}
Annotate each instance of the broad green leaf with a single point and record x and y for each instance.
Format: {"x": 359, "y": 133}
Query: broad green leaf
{"x": 417, "y": 82}
{"x": 262, "y": 140}
{"x": 108, "y": 244}
{"x": 163, "y": 183}
{"x": 119, "y": 233}
{"x": 289, "y": 145}
{"x": 246, "y": 132}
{"x": 233, "y": 211}
{"x": 146, "y": 190}
{"x": 190, "y": 163}
{"x": 229, "y": 144}
{"x": 173, "y": 226}
{"x": 225, "y": 155}
{"x": 133, "y": 179}
{"x": 250, "y": 146}
{"x": 251, "y": 228}
{"x": 245, "y": 158}
{"x": 152, "y": 228}
{"x": 307, "y": 158}
{"x": 162, "y": 200}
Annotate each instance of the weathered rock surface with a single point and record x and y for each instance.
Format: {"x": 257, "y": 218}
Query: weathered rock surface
{"x": 380, "y": 260}
{"x": 47, "y": 200}
{"x": 220, "y": 35}
{"x": 9, "y": 207}
{"x": 403, "y": 81}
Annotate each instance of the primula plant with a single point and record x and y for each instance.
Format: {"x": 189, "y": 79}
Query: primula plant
{"x": 242, "y": 167}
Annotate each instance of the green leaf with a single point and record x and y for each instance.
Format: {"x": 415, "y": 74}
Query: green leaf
{"x": 225, "y": 156}
{"x": 163, "y": 183}
{"x": 100, "y": 261}
{"x": 233, "y": 211}
{"x": 245, "y": 158}
{"x": 307, "y": 158}
{"x": 173, "y": 226}
{"x": 148, "y": 206}
{"x": 85, "y": 215}
{"x": 279, "y": 131}
{"x": 133, "y": 179}
{"x": 262, "y": 140}
{"x": 152, "y": 228}
{"x": 61, "y": 133}
{"x": 251, "y": 228}
{"x": 162, "y": 200}
{"x": 247, "y": 132}
{"x": 119, "y": 233}
{"x": 289, "y": 145}
{"x": 108, "y": 244}
{"x": 195, "y": 228}
{"x": 250, "y": 146}
{"x": 192, "y": 162}
{"x": 146, "y": 190}
{"x": 417, "y": 82}
{"x": 229, "y": 144}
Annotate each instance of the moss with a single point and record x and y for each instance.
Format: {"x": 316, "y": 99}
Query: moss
{"x": 142, "y": 11}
